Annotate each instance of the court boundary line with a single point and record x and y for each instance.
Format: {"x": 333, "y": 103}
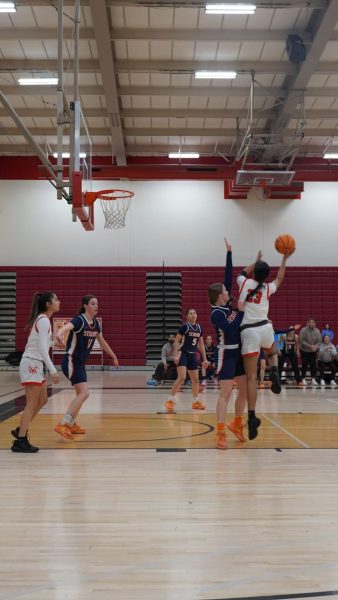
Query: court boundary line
{"x": 287, "y": 432}
{"x": 284, "y": 596}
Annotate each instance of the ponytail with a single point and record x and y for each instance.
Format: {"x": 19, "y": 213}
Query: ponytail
{"x": 85, "y": 300}
{"x": 39, "y": 306}
{"x": 260, "y": 272}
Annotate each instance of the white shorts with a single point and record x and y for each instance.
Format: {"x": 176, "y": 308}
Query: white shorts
{"x": 255, "y": 338}
{"x": 31, "y": 371}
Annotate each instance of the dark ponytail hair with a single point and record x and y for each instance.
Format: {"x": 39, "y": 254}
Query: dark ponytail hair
{"x": 39, "y": 305}
{"x": 261, "y": 272}
{"x": 85, "y": 300}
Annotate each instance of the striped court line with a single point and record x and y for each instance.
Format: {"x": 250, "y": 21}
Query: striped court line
{"x": 287, "y": 432}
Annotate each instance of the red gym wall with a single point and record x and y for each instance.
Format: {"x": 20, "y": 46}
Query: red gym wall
{"x": 306, "y": 291}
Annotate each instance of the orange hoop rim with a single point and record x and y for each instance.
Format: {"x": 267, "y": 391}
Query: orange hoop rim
{"x": 90, "y": 197}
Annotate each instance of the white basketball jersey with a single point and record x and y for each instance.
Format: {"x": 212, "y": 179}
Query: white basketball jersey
{"x": 257, "y": 307}
{"x": 39, "y": 342}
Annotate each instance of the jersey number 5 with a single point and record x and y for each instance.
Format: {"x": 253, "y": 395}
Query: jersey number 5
{"x": 256, "y": 299}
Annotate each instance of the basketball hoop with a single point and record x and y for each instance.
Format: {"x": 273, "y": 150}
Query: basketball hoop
{"x": 115, "y": 205}
{"x": 265, "y": 187}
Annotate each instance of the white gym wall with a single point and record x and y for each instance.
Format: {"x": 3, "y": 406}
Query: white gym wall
{"x": 179, "y": 222}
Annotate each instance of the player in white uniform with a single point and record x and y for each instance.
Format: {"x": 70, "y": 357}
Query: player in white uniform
{"x": 35, "y": 356}
{"x": 257, "y": 330}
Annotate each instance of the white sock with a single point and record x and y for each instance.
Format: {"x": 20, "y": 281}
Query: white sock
{"x": 172, "y": 398}
{"x": 195, "y": 399}
{"x": 67, "y": 419}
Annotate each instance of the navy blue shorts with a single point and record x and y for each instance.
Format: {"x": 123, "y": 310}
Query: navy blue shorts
{"x": 188, "y": 360}
{"x": 75, "y": 372}
{"x": 229, "y": 364}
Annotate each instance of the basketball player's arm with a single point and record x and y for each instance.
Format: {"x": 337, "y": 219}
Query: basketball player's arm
{"x": 107, "y": 349}
{"x": 60, "y": 334}
{"x": 44, "y": 341}
{"x": 247, "y": 270}
{"x": 176, "y": 347}
{"x": 201, "y": 347}
{"x": 227, "y": 323}
{"x": 281, "y": 271}
{"x": 228, "y": 268}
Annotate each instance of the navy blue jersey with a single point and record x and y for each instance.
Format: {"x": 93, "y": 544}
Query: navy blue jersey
{"x": 210, "y": 353}
{"x": 81, "y": 339}
{"x": 191, "y": 335}
{"x": 227, "y": 323}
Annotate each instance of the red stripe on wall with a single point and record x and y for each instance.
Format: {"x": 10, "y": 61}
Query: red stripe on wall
{"x": 306, "y": 292}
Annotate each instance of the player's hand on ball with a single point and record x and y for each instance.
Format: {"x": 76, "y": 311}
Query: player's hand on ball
{"x": 55, "y": 378}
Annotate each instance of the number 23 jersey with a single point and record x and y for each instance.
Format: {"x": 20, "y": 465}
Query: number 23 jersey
{"x": 257, "y": 307}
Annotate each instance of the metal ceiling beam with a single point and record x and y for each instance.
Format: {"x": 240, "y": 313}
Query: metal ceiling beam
{"x": 147, "y": 66}
{"x": 174, "y": 113}
{"x": 215, "y": 132}
{"x": 141, "y": 90}
{"x": 310, "y": 4}
{"x": 176, "y": 66}
{"x": 203, "y": 35}
{"x": 324, "y": 23}
{"x": 107, "y": 70}
{"x": 150, "y": 149}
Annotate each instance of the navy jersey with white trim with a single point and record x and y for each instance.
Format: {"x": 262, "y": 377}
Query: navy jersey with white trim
{"x": 82, "y": 338}
{"x": 191, "y": 335}
{"x": 228, "y": 272}
{"x": 227, "y": 323}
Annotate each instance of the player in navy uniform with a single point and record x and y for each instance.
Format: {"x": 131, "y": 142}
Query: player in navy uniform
{"x": 188, "y": 341}
{"x": 83, "y": 330}
{"x": 229, "y": 363}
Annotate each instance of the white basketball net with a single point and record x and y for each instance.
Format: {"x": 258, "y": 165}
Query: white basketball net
{"x": 115, "y": 205}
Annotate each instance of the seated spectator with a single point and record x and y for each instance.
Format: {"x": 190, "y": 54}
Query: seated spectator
{"x": 209, "y": 372}
{"x": 326, "y": 360}
{"x": 166, "y": 369}
{"x": 310, "y": 340}
{"x": 328, "y": 331}
{"x": 289, "y": 354}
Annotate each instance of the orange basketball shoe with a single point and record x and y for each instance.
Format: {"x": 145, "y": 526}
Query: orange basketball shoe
{"x": 197, "y": 405}
{"x": 221, "y": 440}
{"x": 170, "y": 406}
{"x": 75, "y": 429}
{"x": 64, "y": 430}
{"x": 237, "y": 429}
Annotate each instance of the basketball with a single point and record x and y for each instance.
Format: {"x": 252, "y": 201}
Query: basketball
{"x": 285, "y": 244}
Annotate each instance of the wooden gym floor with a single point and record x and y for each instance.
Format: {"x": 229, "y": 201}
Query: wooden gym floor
{"x": 149, "y": 509}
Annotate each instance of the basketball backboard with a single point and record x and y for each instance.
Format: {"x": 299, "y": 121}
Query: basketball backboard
{"x": 269, "y": 178}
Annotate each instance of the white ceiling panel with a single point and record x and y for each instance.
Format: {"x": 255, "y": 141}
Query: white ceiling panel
{"x": 331, "y": 52}
{"x": 185, "y": 18}
{"x": 273, "y": 51}
{"x": 139, "y": 79}
{"x": 136, "y": 16}
{"x": 12, "y": 49}
{"x": 179, "y": 101}
{"x": 159, "y": 79}
{"x": 117, "y": 16}
{"x": 138, "y": 49}
{"x": 286, "y": 19}
{"x": 93, "y": 101}
{"x": 198, "y": 102}
{"x": 159, "y": 122}
{"x": 217, "y": 102}
{"x": 160, "y": 50}
{"x": 126, "y": 101}
{"x": 228, "y": 50}
{"x": 250, "y": 50}
{"x": 261, "y": 19}
{"x": 160, "y": 101}
{"x": 205, "y": 50}
{"x": 181, "y": 80}
{"x": 161, "y": 17}
{"x": 140, "y": 102}
{"x": 195, "y": 123}
{"x": 183, "y": 50}
{"x": 121, "y": 50}
{"x": 24, "y": 17}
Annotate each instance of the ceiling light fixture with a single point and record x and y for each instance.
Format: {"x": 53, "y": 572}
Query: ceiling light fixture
{"x": 215, "y": 75}
{"x": 331, "y": 155}
{"x": 183, "y": 155}
{"x": 67, "y": 155}
{"x": 7, "y": 7}
{"x": 230, "y": 9}
{"x": 38, "y": 81}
